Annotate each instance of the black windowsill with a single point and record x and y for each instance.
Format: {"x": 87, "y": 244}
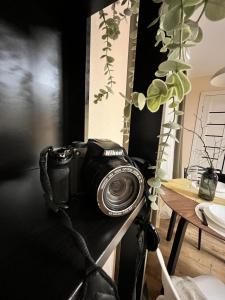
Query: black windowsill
{"x": 38, "y": 257}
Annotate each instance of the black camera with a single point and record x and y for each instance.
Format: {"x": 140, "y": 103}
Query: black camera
{"x": 99, "y": 169}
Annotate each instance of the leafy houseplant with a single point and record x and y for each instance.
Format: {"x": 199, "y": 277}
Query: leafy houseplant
{"x": 178, "y": 29}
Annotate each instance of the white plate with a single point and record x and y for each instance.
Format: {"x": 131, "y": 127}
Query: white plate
{"x": 212, "y": 217}
{"x": 218, "y": 212}
{"x": 220, "y": 188}
{"x": 211, "y": 224}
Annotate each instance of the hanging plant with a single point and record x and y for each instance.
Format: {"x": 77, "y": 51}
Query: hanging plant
{"x": 110, "y": 31}
{"x": 178, "y": 30}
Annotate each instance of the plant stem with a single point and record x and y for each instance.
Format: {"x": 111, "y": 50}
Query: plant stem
{"x": 181, "y": 30}
{"x": 202, "y": 12}
{"x": 106, "y": 53}
{"x": 203, "y": 143}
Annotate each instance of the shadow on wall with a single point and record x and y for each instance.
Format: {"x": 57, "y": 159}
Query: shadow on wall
{"x": 30, "y": 104}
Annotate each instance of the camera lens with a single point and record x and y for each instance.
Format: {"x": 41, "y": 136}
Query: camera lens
{"x": 121, "y": 191}
{"x": 117, "y": 184}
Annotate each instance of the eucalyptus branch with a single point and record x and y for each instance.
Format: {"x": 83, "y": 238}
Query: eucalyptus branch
{"x": 111, "y": 31}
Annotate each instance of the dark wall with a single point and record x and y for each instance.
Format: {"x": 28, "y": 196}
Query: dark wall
{"x": 145, "y": 126}
{"x": 42, "y": 78}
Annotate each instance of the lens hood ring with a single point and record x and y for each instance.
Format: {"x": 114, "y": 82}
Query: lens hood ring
{"x": 101, "y": 188}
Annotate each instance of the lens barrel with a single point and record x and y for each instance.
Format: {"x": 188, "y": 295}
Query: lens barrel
{"x": 117, "y": 185}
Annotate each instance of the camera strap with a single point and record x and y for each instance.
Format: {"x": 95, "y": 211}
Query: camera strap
{"x": 97, "y": 285}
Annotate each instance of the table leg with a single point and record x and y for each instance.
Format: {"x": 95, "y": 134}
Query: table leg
{"x": 171, "y": 226}
{"x": 199, "y": 238}
{"x": 177, "y": 243}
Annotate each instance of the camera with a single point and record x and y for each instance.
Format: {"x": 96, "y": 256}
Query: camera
{"x": 98, "y": 169}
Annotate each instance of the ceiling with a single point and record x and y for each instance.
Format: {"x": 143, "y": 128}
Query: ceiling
{"x": 209, "y": 55}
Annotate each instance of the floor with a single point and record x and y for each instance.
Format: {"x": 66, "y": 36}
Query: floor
{"x": 192, "y": 262}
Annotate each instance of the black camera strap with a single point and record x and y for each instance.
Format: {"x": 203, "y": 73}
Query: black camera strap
{"x": 97, "y": 284}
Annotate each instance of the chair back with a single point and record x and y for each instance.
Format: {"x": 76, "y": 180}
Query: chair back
{"x": 170, "y": 292}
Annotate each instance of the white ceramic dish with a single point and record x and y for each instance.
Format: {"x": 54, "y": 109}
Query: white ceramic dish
{"x": 211, "y": 224}
{"x": 213, "y": 218}
{"x": 218, "y": 212}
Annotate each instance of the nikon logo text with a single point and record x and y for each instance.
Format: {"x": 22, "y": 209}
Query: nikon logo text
{"x": 113, "y": 152}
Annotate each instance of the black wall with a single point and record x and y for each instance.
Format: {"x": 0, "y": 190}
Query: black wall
{"x": 145, "y": 126}
{"x": 42, "y": 77}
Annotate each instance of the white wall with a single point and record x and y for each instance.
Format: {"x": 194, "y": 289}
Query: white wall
{"x": 105, "y": 119}
{"x": 199, "y": 84}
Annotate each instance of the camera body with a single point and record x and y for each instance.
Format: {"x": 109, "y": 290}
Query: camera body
{"x": 99, "y": 169}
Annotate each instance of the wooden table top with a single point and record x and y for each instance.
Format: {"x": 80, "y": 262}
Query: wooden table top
{"x": 182, "y": 186}
{"x": 185, "y": 207}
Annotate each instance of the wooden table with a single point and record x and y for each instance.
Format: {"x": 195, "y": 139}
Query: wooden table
{"x": 183, "y": 205}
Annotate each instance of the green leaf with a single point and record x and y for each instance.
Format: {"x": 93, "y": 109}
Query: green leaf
{"x": 153, "y": 22}
{"x": 170, "y": 135}
{"x": 160, "y": 74}
{"x": 215, "y": 10}
{"x": 135, "y": 99}
{"x": 127, "y": 111}
{"x": 153, "y": 104}
{"x": 162, "y": 174}
{"x": 161, "y": 160}
{"x": 178, "y": 112}
{"x": 141, "y": 101}
{"x": 101, "y": 24}
{"x": 188, "y": 11}
{"x": 103, "y": 91}
{"x": 174, "y": 54}
{"x": 174, "y": 104}
{"x": 122, "y": 95}
{"x": 152, "y": 198}
{"x": 127, "y": 12}
{"x": 186, "y": 33}
{"x": 187, "y": 3}
{"x": 199, "y": 36}
{"x": 133, "y": 34}
{"x": 160, "y": 191}
{"x": 172, "y": 125}
{"x": 162, "y": 87}
{"x": 194, "y": 29}
{"x": 163, "y": 49}
{"x": 173, "y": 65}
{"x": 109, "y": 89}
{"x": 152, "y": 91}
{"x": 154, "y": 182}
{"x": 172, "y": 18}
{"x": 164, "y": 99}
{"x": 185, "y": 82}
{"x": 164, "y": 144}
{"x": 175, "y": 80}
{"x": 154, "y": 206}
{"x": 110, "y": 59}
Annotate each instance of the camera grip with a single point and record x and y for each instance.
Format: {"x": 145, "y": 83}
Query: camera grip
{"x": 59, "y": 179}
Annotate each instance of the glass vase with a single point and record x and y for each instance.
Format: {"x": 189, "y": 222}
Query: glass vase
{"x": 207, "y": 187}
